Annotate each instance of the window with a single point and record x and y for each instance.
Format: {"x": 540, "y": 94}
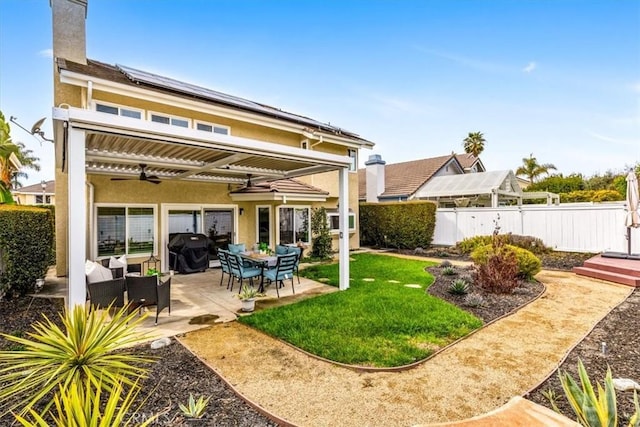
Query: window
{"x": 118, "y": 111}
{"x": 125, "y": 230}
{"x": 354, "y": 160}
{"x": 169, "y": 120}
{"x": 304, "y": 144}
{"x": 293, "y": 225}
{"x": 334, "y": 221}
{"x": 213, "y": 128}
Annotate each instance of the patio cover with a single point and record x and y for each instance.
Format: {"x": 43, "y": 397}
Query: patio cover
{"x": 494, "y": 184}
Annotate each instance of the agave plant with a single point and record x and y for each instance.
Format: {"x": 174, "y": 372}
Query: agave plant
{"x": 590, "y": 408}
{"x": 458, "y": 287}
{"x": 194, "y": 408}
{"x": 80, "y": 406}
{"x": 53, "y": 358}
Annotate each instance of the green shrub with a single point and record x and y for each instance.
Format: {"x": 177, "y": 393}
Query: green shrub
{"x": 530, "y": 243}
{"x": 591, "y": 196}
{"x": 402, "y": 225}
{"x": 321, "y": 235}
{"x": 468, "y": 245}
{"x": 528, "y": 265}
{"x": 26, "y": 242}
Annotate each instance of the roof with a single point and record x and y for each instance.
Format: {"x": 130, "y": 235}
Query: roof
{"x": 404, "y": 179}
{"x": 130, "y": 76}
{"x": 50, "y": 188}
{"x": 467, "y": 160}
{"x": 471, "y": 184}
{"x": 289, "y": 186}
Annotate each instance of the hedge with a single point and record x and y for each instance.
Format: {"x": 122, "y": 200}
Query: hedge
{"x": 26, "y": 242}
{"x": 402, "y": 225}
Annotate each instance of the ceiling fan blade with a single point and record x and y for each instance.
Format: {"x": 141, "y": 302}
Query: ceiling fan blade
{"x": 153, "y": 181}
{"x": 122, "y": 179}
{"x": 149, "y": 177}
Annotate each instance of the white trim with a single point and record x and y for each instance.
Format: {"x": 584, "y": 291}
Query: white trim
{"x": 213, "y": 126}
{"x": 78, "y": 79}
{"x": 294, "y": 207}
{"x": 354, "y": 165}
{"x": 271, "y": 223}
{"x": 164, "y": 212}
{"x": 343, "y": 238}
{"x": 77, "y": 218}
{"x": 337, "y": 230}
{"x": 94, "y": 228}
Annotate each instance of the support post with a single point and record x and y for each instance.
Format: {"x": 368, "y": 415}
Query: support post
{"x": 343, "y": 241}
{"x": 77, "y": 217}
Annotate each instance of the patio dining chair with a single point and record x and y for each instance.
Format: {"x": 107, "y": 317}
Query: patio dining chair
{"x": 223, "y": 256}
{"x": 143, "y": 291}
{"x": 284, "y": 269}
{"x": 105, "y": 293}
{"x": 240, "y": 272}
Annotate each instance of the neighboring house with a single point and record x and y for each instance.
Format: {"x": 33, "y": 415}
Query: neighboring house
{"x": 456, "y": 180}
{"x": 379, "y": 182}
{"x": 36, "y": 194}
{"x": 228, "y": 167}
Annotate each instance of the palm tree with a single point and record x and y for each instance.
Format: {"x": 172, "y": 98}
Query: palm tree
{"x": 474, "y": 143}
{"x": 531, "y": 169}
{"x": 28, "y": 161}
{"x": 7, "y": 148}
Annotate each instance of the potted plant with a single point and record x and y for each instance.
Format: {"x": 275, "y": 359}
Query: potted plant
{"x": 263, "y": 247}
{"x": 248, "y": 295}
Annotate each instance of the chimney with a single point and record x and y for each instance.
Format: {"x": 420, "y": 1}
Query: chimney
{"x": 69, "y": 35}
{"x": 375, "y": 177}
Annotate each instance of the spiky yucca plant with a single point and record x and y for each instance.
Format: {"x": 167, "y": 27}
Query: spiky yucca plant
{"x": 80, "y": 406}
{"x": 83, "y": 351}
{"x": 194, "y": 408}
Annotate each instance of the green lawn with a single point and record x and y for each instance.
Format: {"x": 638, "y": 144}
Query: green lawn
{"x": 374, "y": 323}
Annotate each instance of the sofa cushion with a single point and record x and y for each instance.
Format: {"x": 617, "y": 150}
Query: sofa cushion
{"x": 96, "y": 272}
{"x": 118, "y": 262}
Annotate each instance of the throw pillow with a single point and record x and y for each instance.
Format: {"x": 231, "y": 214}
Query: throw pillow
{"x": 236, "y": 249}
{"x": 118, "y": 262}
{"x": 96, "y": 272}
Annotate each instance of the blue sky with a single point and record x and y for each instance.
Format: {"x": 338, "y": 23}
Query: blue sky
{"x": 559, "y": 79}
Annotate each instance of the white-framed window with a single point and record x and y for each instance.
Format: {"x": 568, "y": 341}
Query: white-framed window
{"x": 334, "y": 222}
{"x": 213, "y": 128}
{"x": 293, "y": 224}
{"x": 354, "y": 159}
{"x": 118, "y": 110}
{"x": 263, "y": 224}
{"x": 125, "y": 229}
{"x": 167, "y": 119}
{"x": 304, "y": 144}
{"x": 43, "y": 200}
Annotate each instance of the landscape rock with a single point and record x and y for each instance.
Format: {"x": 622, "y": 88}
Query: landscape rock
{"x": 625, "y": 384}
{"x": 159, "y": 343}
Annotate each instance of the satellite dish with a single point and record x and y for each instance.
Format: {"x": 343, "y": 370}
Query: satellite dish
{"x": 36, "y": 128}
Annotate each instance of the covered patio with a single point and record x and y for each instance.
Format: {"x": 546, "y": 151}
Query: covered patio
{"x": 107, "y": 146}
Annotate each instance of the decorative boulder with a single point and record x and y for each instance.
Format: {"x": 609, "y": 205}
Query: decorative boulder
{"x": 625, "y": 384}
{"x": 159, "y": 343}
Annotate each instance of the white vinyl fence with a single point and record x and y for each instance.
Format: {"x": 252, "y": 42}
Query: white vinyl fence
{"x": 573, "y": 227}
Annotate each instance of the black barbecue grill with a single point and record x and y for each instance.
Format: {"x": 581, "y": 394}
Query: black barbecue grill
{"x": 188, "y": 252}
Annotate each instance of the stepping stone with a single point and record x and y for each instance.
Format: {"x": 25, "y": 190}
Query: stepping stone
{"x": 368, "y": 279}
{"x": 413, "y": 285}
{"x": 393, "y": 281}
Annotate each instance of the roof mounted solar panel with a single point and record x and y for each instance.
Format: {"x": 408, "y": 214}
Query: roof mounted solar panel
{"x": 138, "y": 76}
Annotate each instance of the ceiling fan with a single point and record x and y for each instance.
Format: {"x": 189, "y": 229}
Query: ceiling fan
{"x": 143, "y": 176}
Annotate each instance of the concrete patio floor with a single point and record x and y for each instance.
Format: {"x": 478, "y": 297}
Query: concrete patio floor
{"x": 198, "y": 300}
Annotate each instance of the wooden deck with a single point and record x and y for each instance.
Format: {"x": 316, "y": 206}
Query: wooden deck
{"x": 617, "y": 270}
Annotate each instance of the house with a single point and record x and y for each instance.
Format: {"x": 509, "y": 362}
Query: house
{"x": 141, "y": 156}
{"x": 36, "y": 194}
{"x": 379, "y": 182}
{"x": 456, "y": 180}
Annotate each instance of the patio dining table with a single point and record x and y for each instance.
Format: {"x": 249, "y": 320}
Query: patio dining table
{"x": 263, "y": 261}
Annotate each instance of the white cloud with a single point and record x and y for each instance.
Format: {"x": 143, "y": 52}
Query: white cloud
{"x": 46, "y": 53}
{"x": 609, "y": 139}
{"x": 464, "y": 61}
{"x": 636, "y": 87}
{"x": 530, "y": 67}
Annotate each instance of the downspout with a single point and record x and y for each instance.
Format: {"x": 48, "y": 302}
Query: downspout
{"x": 90, "y": 204}
{"x": 320, "y": 141}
